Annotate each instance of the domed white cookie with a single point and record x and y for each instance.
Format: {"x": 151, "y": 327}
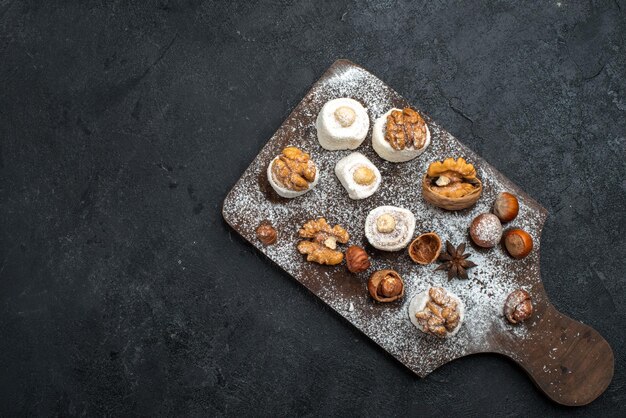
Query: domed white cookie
{"x": 385, "y": 150}
{"x": 342, "y": 124}
{"x": 398, "y": 237}
{"x": 282, "y": 190}
{"x": 418, "y": 303}
{"x": 345, "y": 171}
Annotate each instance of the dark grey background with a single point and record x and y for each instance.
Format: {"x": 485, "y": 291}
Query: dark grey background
{"x": 122, "y": 128}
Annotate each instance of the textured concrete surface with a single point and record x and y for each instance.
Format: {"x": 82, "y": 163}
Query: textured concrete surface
{"x": 122, "y": 127}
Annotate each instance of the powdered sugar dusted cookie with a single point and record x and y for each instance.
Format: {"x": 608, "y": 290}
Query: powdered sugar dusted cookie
{"x": 400, "y": 135}
{"x": 342, "y": 124}
{"x": 437, "y": 312}
{"x": 292, "y": 173}
{"x": 358, "y": 175}
{"x": 389, "y": 228}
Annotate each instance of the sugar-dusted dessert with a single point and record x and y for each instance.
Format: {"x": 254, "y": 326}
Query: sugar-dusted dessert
{"x": 389, "y": 228}
{"x": 400, "y": 135}
{"x": 437, "y": 312}
{"x": 292, "y": 173}
{"x": 451, "y": 184}
{"x": 342, "y": 124}
{"x": 358, "y": 175}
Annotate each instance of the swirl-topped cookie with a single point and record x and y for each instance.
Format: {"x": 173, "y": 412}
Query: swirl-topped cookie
{"x": 342, "y": 124}
{"x": 389, "y": 228}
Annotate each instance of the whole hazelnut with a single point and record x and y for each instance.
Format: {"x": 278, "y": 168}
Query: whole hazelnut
{"x": 518, "y": 243}
{"x": 345, "y": 116}
{"x": 357, "y": 259}
{"x": 518, "y": 306}
{"x": 266, "y": 234}
{"x": 385, "y": 286}
{"x": 486, "y": 230}
{"x": 506, "y": 207}
{"x": 385, "y": 223}
{"x": 364, "y": 176}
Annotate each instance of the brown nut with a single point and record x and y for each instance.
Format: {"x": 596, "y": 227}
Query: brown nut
{"x": 518, "y": 306}
{"x": 451, "y": 184}
{"x": 385, "y": 286}
{"x": 506, "y": 207}
{"x": 518, "y": 243}
{"x": 266, "y": 234}
{"x": 425, "y": 248}
{"x": 486, "y": 230}
{"x": 357, "y": 259}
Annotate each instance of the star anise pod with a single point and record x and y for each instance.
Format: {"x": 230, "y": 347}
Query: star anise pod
{"x": 455, "y": 261}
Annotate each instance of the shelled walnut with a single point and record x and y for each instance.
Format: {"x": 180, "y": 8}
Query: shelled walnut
{"x": 321, "y": 243}
{"x": 405, "y": 129}
{"x": 441, "y": 315}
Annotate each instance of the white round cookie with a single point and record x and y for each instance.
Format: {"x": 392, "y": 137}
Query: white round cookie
{"x": 396, "y": 239}
{"x": 282, "y": 190}
{"x": 418, "y": 303}
{"x": 385, "y": 150}
{"x": 337, "y": 130}
{"x": 345, "y": 169}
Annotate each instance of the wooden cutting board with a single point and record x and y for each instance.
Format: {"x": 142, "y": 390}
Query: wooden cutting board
{"x": 566, "y": 359}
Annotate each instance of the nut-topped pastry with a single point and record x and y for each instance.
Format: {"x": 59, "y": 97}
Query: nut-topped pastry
{"x": 451, "y": 184}
{"x": 292, "y": 173}
{"x": 320, "y": 244}
{"x": 437, "y": 312}
{"x": 358, "y": 175}
{"x": 342, "y": 124}
{"x": 389, "y": 228}
{"x": 400, "y": 135}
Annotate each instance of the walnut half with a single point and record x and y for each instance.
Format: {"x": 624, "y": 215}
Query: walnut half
{"x": 321, "y": 243}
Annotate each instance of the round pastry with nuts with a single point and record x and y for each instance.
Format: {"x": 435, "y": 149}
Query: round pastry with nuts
{"x": 358, "y": 175}
{"x": 437, "y": 312}
{"x": 292, "y": 173}
{"x": 389, "y": 228}
{"x": 400, "y": 135}
{"x": 342, "y": 124}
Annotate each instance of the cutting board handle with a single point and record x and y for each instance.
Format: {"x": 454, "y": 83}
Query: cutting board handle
{"x": 568, "y": 360}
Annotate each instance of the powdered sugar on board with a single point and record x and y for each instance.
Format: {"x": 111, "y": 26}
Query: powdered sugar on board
{"x": 252, "y": 201}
